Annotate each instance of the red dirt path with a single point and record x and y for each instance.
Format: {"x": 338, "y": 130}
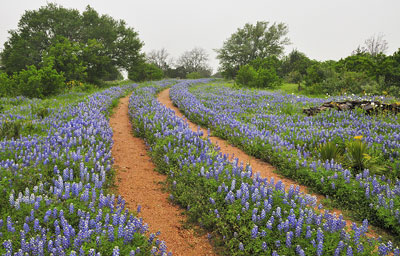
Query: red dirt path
{"x": 139, "y": 184}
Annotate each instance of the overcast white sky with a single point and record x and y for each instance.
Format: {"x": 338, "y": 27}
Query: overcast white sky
{"x": 321, "y": 29}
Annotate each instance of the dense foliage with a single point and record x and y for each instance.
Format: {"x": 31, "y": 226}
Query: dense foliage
{"x": 361, "y": 73}
{"x": 32, "y": 82}
{"x": 145, "y": 72}
{"x": 360, "y": 170}
{"x": 356, "y": 74}
{"x": 85, "y": 47}
{"x": 246, "y": 214}
{"x": 366, "y": 71}
{"x": 55, "y": 171}
{"x": 260, "y": 73}
{"x": 251, "y": 42}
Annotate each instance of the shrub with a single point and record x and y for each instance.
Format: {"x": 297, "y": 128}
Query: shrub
{"x": 330, "y": 150}
{"x": 246, "y": 75}
{"x": 145, "y": 72}
{"x": 358, "y": 157}
{"x": 7, "y": 86}
{"x": 10, "y": 129}
{"x": 294, "y": 77}
{"x": 267, "y": 78}
{"x": 193, "y": 75}
{"x": 260, "y": 78}
{"x": 319, "y": 72}
{"x": 39, "y": 83}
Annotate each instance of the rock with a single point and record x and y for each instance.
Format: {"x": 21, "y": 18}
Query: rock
{"x": 343, "y": 107}
{"x": 369, "y": 106}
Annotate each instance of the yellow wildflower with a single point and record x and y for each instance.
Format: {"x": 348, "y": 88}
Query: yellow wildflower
{"x": 367, "y": 157}
{"x": 359, "y": 137}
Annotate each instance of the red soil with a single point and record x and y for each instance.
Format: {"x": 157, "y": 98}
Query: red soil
{"x": 139, "y": 184}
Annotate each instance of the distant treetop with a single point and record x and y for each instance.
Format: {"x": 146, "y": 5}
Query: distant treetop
{"x": 250, "y": 42}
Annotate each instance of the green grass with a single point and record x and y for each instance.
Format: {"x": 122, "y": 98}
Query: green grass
{"x": 289, "y": 88}
{"x": 294, "y": 89}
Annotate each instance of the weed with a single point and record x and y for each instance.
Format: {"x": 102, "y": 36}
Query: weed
{"x": 10, "y": 129}
{"x": 331, "y": 150}
{"x": 358, "y": 157}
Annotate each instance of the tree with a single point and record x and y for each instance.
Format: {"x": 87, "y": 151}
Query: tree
{"x": 374, "y": 45}
{"x": 250, "y": 42}
{"x": 98, "y": 64}
{"x": 319, "y": 72}
{"x": 66, "y": 58}
{"x": 39, "y": 29}
{"x": 36, "y": 31}
{"x": 177, "y": 72}
{"x": 295, "y": 64}
{"x": 195, "y": 60}
{"x": 159, "y": 58}
{"x": 357, "y": 63}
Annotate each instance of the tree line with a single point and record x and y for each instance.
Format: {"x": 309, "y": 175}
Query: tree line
{"x": 253, "y": 56}
{"x": 55, "y": 48}
{"x": 191, "y": 64}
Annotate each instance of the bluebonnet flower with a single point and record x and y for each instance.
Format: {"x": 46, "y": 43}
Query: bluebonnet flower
{"x": 254, "y": 232}
{"x": 320, "y": 247}
{"x": 264, "y": 246}
{"x": 349, "y": 251}
{"x": 289, "y": 236}
{"x": 116, "y": 251}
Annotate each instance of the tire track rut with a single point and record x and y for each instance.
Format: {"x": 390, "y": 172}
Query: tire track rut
{"x": 265, "y": 169}
{"x": 139, "y": 184}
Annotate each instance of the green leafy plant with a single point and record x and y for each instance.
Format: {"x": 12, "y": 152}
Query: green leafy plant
{"x": 331, "y": 150}
{"x": 6, "y": 86}
{"x": 193, "y": 75}
{"x": 39, "y": 83}
{"x": 290, "y": 109}
{"x": 10, "y": 129}
{"x": 262, "y": 77}
{"x": 145, "y": 72}
{"x": 358, "y": 157}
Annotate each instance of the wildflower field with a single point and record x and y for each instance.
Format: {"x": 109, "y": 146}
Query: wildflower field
{"x": 244, "y": 213}
{"x": 55, "y": 174}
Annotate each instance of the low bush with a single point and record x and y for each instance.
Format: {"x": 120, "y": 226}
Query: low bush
{"x": 39, "y": 83}
{"x": 193, "y": 75}
{"x": 10, "y": 129}
{"x": 260, "y": 78}
{"x": 145, "y": 72}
